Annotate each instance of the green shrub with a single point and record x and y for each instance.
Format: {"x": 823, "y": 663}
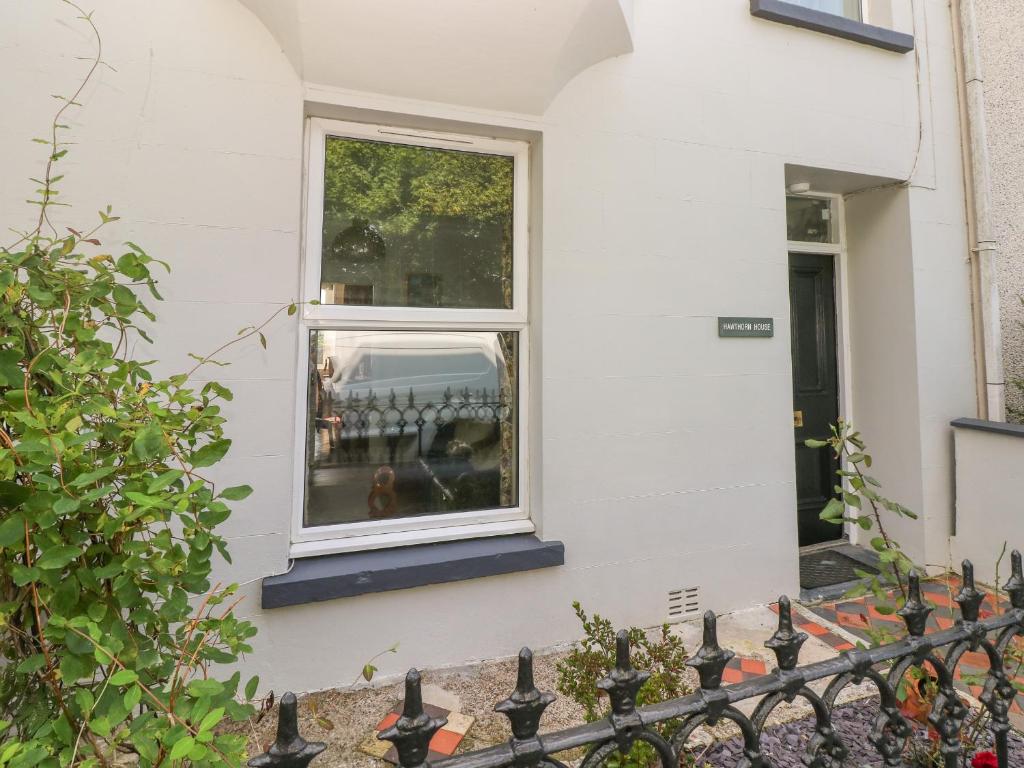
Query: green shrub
{"x": 661, "y": 653}
{"x": 110, "y": 626}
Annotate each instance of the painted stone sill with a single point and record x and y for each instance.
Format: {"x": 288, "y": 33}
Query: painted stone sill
{"x": 314, "y": 579}
{"x": 829, "y": 24}
{"x": 999, "y": 427}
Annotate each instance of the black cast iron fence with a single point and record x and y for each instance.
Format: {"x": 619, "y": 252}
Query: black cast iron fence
{"x": 884, "y": 667}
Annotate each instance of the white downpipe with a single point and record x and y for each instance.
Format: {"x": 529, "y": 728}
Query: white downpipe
{"x": 984, "y": 248}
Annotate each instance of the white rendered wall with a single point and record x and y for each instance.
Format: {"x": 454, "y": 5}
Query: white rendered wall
{"x": 665, "y": 454}
{"x": 989, "y": 489}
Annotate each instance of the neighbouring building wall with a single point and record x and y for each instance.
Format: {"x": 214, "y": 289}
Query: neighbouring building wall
{"x": 665, "y": 458}
{"x": 989, "y": 487}
{"x": 1001, "y": 26}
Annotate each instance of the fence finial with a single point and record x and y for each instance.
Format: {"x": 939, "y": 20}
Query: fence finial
{"x": 526, "y": 705}
{"x": 970, "y": 597}
{"x": 786, "y": 642}
{"x": 1015, "y": 586}
{"x": 914, "y": 611}
{"x": 710, "y": 659}
{"x": 623, "y": 683}
{"x": 412, "y": 733}
{"x": 289, "y": 750}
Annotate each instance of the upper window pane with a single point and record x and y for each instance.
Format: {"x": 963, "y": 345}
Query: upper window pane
{"x": 408, "y": 226}
{"x": 848, "y": 8}
{"x": 810, "y": 220}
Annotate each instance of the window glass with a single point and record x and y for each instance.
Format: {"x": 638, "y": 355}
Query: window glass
{"x": 810, "y": 220}
{"x": 410, "y": 423}
{"x": 851, "y": 9}
{"x": 408, "y": 226}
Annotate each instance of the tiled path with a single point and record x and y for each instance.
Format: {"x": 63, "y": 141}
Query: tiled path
{"x": 860, "y": 615}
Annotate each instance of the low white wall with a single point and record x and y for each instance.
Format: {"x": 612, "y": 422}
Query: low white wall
{"x": 989, "y": 496}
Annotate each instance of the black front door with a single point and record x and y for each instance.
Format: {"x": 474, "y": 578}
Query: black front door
{"x": 812, "y": 302}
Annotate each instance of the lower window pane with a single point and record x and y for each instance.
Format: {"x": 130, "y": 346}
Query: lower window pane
{"x": 413, "y": 423}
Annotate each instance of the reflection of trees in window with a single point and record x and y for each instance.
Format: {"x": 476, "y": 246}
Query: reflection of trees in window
{"x": 392, "y": 209}
{"x": 509, "y": 459}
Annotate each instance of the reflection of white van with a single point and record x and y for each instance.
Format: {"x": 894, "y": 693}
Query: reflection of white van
{"x": 426, "y": 364}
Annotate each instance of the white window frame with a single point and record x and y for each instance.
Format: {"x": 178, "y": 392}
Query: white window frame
{"x": 864, "y": 10}
{"x": 378, "y": 534}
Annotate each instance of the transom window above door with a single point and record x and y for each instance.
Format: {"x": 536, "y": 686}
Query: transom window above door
{"x": 414, "y": 410}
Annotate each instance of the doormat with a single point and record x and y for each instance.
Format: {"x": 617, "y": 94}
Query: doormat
{"x": 827, "y": 567}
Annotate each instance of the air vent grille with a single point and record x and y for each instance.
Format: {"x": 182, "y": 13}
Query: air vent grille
{"x": 683, "y": 603}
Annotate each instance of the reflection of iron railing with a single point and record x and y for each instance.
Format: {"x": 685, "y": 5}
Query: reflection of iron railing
{"x": 357, "y": 419}
{"x": 884, "y": 667}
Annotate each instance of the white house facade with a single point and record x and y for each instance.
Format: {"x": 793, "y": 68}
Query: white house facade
{"x": 616, "y": 260}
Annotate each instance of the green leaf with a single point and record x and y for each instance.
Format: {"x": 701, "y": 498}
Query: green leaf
{"x": 57, "y": 557}
{"x": 65, "y": 505}
{"x": 208, "y": 687}
{"x": 368, "y": 672}
{"x": 252, "y": 686}
{"x": 12, "y": 494}
{"x": 33, "y": 663}
{"x": 815, "y": 443}
{"x": 182, "y": 747}
{"x": 12, "y": 530}
{"x": 124, "y": 677}
{"x": 235, "y": 493}
{"x": 833, "y": 511}
{"x": 210, "y": 453}
{"x": 132, "y": 697}
{"x": 149, "y": 443}
{"x": 164, "y": 480}
{"x": 213, "y": 717}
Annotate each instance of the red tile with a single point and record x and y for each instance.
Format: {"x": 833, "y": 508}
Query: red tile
{"x": 445, "y": 742}
{"x": 975, "y": 659}
{"x": 814, "y": 629}
{"x": 730, "y": 676}
{"x": 753, "y": 666}
{"x": 844, "y": 646}
{"x": 388, "y": 721}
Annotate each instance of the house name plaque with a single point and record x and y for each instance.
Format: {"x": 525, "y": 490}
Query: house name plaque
{"x": 746, "y": 327}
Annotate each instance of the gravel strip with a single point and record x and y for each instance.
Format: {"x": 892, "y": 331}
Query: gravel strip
{"x": 784, "y": 744}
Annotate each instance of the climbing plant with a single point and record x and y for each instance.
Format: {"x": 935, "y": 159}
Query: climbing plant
{"x": 111, "y": 629}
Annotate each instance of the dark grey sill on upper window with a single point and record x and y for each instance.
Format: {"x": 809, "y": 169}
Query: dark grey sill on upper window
{"x": 830, "y": 24}
{"x": 313, "y": 579}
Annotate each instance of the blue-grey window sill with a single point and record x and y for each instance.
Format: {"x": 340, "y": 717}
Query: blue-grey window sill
{"x": 999, "y": 427}
{"x": 314, "y": 579}
{"x": 839, "y": 26}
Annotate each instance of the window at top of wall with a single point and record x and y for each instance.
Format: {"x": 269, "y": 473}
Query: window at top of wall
{"x": 414, "y": 413}
{"x": 850, "y": 9}
{"x": 810, "y": 220}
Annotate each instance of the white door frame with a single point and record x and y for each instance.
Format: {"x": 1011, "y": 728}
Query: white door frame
{"x": 840, "y": 256}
